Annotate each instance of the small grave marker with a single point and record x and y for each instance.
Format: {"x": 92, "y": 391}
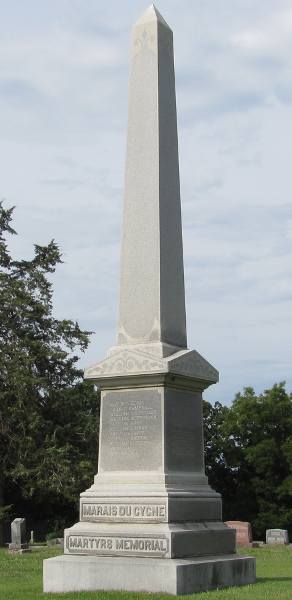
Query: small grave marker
{"x": 277, "y": 536}
{"x": 18, "y": 536}
{"x": 243, "y": 532}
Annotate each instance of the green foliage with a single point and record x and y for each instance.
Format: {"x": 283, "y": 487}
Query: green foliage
{"x": 221, "y": 476}
{"x": 260, "y": 430}
{"x": 249, "y": 457}
{"x": 48, "y": 429}
{"x": 5, "y": 512}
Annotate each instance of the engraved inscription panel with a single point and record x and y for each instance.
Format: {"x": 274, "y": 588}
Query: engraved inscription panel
{"x": 123, "y": 512}
{"x": 110, "y": 545}
{"x": 131, "y": 437}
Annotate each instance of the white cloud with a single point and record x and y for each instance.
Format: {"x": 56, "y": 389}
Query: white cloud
{"x": 271, "y": 36}
{"x": 63, "y": 112}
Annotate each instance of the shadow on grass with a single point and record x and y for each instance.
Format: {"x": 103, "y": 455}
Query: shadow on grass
{"x": 270, "y": 579}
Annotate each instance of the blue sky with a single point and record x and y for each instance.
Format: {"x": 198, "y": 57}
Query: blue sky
{"x": 63, "y": 113}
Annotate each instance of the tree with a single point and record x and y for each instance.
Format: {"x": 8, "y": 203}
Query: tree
{"x": 222, "y": 477}
{"x": 48, "y": 429}
{"x": 248, "y": 456}
{"x": 258, "y": 450}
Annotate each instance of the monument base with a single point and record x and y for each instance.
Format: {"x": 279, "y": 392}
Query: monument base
{"x": 68, "y": 573}
{"x": 18, "y": 548}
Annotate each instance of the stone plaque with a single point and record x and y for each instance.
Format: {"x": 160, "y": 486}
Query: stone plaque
{"x": 131, "y": 430}
{"x": 277, "y": 536}
{"x": 243, "y": 532}
{"x": 105, "y": 511}
{"x": 111, "y": 545}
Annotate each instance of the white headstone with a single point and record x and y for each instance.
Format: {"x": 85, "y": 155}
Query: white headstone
{"x": 277, "y": 536}
{"x": 18, "y": 535}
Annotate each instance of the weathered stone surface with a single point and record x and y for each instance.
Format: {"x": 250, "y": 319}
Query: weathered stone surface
{"x": 172, "y": 576}
{"x": 131, "y": 425}
{"x": 123, "y": 510}
{"x": 18, "y": 535}
{"x": 159, "y": 509}
{"x": 150, "y": 448}
{"x": 145, "y": 429}
{"x": 127, "y": 361}
{"x": 164, "y": 540}
{"x": 243, "y": 532}
{"x": 277, "y": 536}
{"x": 154, "y": 309}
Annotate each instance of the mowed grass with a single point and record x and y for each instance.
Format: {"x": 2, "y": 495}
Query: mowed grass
{"x": 21, "y": 579}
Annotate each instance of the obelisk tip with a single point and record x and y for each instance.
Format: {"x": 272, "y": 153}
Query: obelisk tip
{"x": 151, "y": 14}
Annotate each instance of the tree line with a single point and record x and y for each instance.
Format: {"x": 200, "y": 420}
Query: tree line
{"x": 49, "y": 415}
{"x": 248, "y": 455}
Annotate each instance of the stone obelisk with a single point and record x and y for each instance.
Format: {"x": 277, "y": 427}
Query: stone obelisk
{"x": 152, "y": 297}
{"x": 150, "y": 521}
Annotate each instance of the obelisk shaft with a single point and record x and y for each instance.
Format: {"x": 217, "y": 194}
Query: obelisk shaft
{"x": 152, "y": 297}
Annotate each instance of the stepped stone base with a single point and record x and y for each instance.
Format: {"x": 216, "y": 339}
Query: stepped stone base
{"x": 158, "y": 540}
{"x": 173, "y": 576}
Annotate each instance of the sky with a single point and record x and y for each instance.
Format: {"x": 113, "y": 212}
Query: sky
{"x": 64, "y": 68}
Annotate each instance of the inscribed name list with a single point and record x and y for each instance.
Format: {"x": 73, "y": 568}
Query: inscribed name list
{"x": 131, "y": 430}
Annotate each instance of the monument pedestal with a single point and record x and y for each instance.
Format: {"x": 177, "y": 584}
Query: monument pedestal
{"x": 18, "y": 550}
{"x": 150, "y": 521}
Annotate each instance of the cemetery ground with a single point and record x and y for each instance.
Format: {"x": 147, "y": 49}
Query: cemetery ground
{"x": 21, "y": 579}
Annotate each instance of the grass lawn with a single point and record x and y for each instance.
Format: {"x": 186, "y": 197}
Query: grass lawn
{"x": 21, "y": 579}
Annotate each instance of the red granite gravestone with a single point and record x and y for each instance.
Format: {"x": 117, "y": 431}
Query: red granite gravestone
{"x": 243, "y": 532}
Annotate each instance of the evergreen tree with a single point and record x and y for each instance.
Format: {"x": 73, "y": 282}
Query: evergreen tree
{"x": 48, "y": 428}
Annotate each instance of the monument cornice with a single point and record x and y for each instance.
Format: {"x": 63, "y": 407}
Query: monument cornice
{"x": 185, "y": 367}
{"x": 145, "y": 380}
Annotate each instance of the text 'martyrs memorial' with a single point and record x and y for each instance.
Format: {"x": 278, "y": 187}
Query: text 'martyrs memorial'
{"x": 150, "y": 521}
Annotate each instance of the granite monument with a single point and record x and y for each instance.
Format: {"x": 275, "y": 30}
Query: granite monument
{"x": 150, "y": 521}
{"x": 243, "y": 532}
